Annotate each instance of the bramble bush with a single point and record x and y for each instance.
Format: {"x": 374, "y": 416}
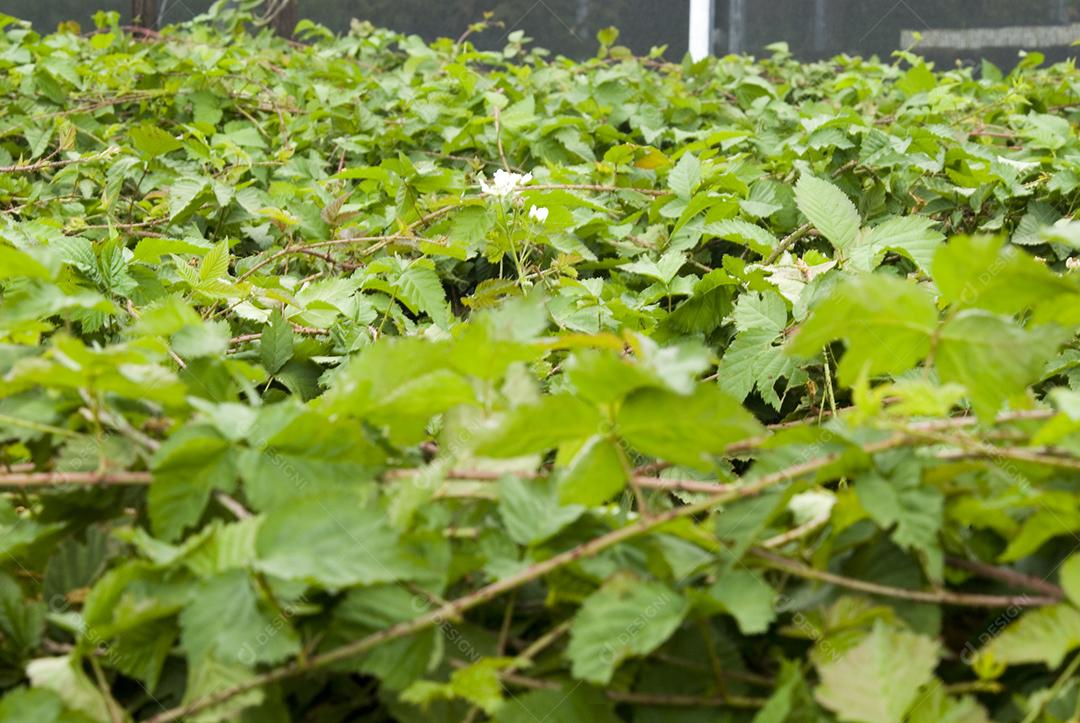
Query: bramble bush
{"x": 367, "y": 379}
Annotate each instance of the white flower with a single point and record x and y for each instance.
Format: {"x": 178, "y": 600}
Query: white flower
{"x": 1072, "y": 263}
{"x": 505, "y": 183}
{"x": 811, "y": 505}
{"x": 538, "y": 214}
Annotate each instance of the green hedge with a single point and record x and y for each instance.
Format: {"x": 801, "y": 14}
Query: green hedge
{"x": 370, "y": 380}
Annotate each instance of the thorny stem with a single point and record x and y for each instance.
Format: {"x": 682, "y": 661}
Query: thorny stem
{"x": 939, "y": 596}
{"x": 788, "y": 242}
{"x": 456, "y": 608}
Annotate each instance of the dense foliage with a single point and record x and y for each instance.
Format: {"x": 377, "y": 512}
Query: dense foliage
{"x": 369, "y": 380}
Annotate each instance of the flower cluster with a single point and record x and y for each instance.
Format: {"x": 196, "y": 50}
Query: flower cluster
{"x": 538, "y": 214}
{"x": 505, "y": 184}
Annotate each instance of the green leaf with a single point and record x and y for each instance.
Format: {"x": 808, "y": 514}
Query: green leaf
{"x": 1069, "y": 575}
{"x": 604, "y": 376}
{"x": 295, "y": 453}
{"x": 276, "y": 344}
{"x": 189, "y": 466}
{"x": 685, "y": 176}
{"x": 755, "y": 359}
{"x": 397, "y": 663}
{"x": 830, "y": 210}
{"x": 1037, "y": 529}
{"x": 982, "y": 272}
{"x": 910, "y": 236}
{"x": 936, "y": 706}
{"x": 684, "y": 429}
{"x": 742, "y": 232}
{"x": 76, "y": 563}
{"x": 887, "y": 324}
{"x": 215, "y": 264}
{"x": 663, "y": 269}
{"x": 625, "y": 618}
{"x": 39, "y": 705}
{"x": 540, "y": 427}
{"x": 421, "y": 290}
{"x": 16, "y": 263}
{"x": 573, "y": 704}
{"x": 705, "y": 310}
{"x": 993, "y": 357}
{"x": 334, "y": 541}
{"x": 22, "y": 621}
{"x": 185, "y": 195}
{"x": 64, "y": 676}
{"x": 478, "y": 684}
{"x": 878, "y": 680}
{"x": 130, "y": 596}
{"x": 207, "y": 677}
{"x": 152, "y": 141}
{"x": 743, "y": 522}
{"x": 226, "y": 620}
{"x": 470, "y": 227}
{"x": 1041, "y": 635}
{"x": 748, "y": 597}
{"x": 205, "y": 339}
{"x": 531, "y": 510}
{"x": 595, "y": 474}
{"x": 916, "y": 509}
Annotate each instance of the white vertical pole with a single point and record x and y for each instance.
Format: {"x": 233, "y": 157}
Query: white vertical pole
{"x": 701, "y": 28}
{"x": 820, "y": 25}
{"x": 736, "y": 25}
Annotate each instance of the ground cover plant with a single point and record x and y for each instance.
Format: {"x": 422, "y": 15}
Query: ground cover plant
{"x": 361, "y": 379}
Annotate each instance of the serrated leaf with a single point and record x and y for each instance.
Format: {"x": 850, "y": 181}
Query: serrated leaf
{"x": 184, "y": 196}
{"x": 748, "y": 597}
{"x": 936, "y": 706}
{"x": 685, "y": 176}
{"x": 64, "y": 676}
{"x": 207, "y": 677}
{"x": 421, "y": 290}
{"x": 227, "y": 621}
{"x": 531, "y": 510}
{"x": 276, "y": 343}
{"x": 540, "y": 427}
{"x": 742, "y": 232}
{"x": 885, "y": 322}
{"x": 334, "y": 541}
{"x": 595, "y": 474}
{"x": 878, "y": 680}
{"x": 982, "y": 272}
{"x": 992, "y": 357}
{"x": 623, "y": 619}
{"x": 397, "y": 663}
{"x": 188, "y": 467}
{"x": 152, "y": 141}
{"x": 684, "y": 429}
{"x": 910, "y": 236}
{"x": 830, "y": 210}
{"x": 1069, "y": 574}
{"x": 1042, "y": 635}
{"x": 470, "y": 227}
{"x": 917, "y": 511}
{"x": 215, "y": 264}
{"x": 295, "y": 453}
{"x": 22, "y": 621}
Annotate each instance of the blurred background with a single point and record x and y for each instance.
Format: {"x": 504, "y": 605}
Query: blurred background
{"x": 964, "y": 30}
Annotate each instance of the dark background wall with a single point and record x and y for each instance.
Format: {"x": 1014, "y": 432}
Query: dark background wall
{"x": 570, "y": 26}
